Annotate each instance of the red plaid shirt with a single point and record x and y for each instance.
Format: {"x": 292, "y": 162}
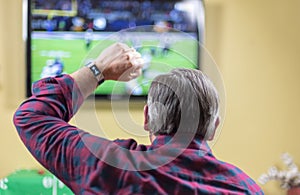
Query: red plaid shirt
{"x": 82, "y": 161}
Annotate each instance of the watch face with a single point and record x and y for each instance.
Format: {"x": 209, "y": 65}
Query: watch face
{"x": 95, "y": 70}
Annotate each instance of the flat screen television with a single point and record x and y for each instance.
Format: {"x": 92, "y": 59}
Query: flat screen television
{"x": 63, "y": 35}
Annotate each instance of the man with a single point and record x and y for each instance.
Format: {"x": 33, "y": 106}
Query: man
{"x": 180, "y": 115}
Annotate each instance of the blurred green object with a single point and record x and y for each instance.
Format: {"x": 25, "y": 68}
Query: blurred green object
{"x": 32, "y": 182}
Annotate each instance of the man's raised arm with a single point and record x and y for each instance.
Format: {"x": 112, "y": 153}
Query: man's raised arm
{"x": 42, "y": 120}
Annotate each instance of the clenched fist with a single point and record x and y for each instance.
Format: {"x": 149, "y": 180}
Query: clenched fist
{"x": 120, "y": 62}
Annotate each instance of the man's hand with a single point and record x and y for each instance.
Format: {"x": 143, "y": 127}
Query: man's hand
{"x": 119, "y": 62}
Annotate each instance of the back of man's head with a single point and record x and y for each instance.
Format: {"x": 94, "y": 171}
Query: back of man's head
{"x": 183, "y": 100}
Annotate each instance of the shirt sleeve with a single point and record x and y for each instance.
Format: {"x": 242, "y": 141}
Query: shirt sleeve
{"x": 42, "y": 124}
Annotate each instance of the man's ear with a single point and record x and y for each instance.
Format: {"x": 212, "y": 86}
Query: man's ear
{"x": 146, "y": 118}
{"x": 212, "y": 135}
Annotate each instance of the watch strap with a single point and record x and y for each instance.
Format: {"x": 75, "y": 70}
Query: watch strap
{"x": 96, "y": 72}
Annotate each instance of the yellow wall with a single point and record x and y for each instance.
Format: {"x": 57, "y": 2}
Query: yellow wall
{"x": 255, "y": 44}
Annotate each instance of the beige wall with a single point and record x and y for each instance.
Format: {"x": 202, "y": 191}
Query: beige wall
{"x": 255, "y": 44}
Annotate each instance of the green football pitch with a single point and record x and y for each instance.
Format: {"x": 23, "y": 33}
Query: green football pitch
{"x": 73, "y": 53}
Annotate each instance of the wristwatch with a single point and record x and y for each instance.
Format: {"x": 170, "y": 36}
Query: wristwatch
{"x": 96, "y": 72}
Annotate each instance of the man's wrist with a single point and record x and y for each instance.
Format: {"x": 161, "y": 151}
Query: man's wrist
{"x": 96, "y": 72}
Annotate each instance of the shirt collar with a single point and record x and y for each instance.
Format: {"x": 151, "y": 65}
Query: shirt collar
{"x": 196, "y": 143}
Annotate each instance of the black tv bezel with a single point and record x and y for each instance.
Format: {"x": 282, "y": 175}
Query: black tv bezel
{"x": 27, "y": 14}
{"x": 200, "y": 20}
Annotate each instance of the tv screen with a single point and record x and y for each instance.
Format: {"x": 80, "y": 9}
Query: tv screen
{"x": 65, "y": 34}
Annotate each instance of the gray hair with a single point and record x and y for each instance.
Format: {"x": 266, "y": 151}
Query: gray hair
{"x": 183, "y": 100}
